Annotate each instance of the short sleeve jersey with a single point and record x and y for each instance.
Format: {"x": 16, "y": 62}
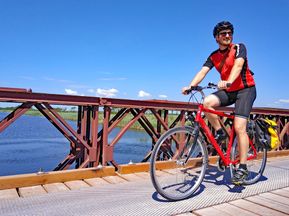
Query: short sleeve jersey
{"x": 223, "y": 61}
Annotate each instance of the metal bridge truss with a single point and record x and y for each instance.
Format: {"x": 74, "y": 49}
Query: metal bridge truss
{"x": 89, "y": 143}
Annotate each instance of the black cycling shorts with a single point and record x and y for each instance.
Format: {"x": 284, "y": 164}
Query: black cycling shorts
{"x": 243, "y": 100}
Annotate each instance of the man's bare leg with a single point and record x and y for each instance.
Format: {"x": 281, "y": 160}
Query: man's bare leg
{"x": 240, "y": 125}
{"x": 211, "y": 102}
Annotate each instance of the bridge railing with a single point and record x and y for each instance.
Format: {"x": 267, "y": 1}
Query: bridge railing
{"x": 97, "y": 117}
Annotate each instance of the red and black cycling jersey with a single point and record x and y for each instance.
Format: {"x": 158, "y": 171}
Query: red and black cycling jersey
{"x": 223, "y": 61}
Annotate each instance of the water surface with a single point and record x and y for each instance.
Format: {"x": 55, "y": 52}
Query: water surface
{"x": 32, "y": 142}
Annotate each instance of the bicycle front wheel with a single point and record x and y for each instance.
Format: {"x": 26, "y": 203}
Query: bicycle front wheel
{"x": 255, "y": 163}
{"x": 178, "y": 163}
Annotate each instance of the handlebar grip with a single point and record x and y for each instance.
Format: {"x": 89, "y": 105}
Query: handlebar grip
{"x": 200, "y": 88}
{"x": 194, "y": 88}
{"x": 213, "y": 85}
{"x": 228, "y": 85}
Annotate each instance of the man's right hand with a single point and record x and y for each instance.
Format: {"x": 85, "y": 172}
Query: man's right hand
{"x": 224, "y": 84}
{"x": 185, "y": 90}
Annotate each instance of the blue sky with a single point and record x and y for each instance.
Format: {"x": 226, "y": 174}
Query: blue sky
{"x": 137, "y": 49}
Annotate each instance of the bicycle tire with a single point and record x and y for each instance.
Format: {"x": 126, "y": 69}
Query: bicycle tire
{"x": 178, "y": 181}
{"x": 256, "y": 166}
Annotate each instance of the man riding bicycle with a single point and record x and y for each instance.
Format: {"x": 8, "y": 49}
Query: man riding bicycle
{"x": 237, "y": 86}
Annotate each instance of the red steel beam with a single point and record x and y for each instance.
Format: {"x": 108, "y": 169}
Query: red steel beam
{"x": 7, "y": 89}
{"x": 67, "y": 126}
{"x": 94, "y": 151}
{"x": 23, "y": 97}
{"x": 90, "y": 147}
{"x": 125, "y": 128}
{"x": 146, "y": 124}
{"x": 10, "y": 118}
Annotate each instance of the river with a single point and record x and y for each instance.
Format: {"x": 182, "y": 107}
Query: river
{"x": 32, "y": 142}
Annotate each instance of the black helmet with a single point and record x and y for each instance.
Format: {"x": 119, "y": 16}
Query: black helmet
{"x": 223, "y": 26}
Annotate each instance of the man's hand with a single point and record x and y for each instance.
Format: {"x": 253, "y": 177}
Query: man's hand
{"x": 224, "y": 84}
{"x": 185, "y": 90}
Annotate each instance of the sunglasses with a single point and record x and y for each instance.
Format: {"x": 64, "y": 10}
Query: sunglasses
{"x": 224, "y": 34}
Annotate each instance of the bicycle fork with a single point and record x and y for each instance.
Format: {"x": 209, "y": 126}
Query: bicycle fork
{"x": 195, "y": 139}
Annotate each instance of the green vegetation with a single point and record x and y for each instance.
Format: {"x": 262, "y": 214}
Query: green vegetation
{"x": 68, "y": 115}
{"x": 72, "y": 115}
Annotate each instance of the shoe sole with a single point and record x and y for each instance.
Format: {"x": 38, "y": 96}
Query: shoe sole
{"x": 240, "y": 181}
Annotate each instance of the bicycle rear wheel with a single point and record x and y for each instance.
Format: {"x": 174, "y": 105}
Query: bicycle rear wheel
{"x": 178, "y": 163}
{"x": 255, "y": 165}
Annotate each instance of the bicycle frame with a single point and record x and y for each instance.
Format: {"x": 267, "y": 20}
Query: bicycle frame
{"x": 225, "y": 158}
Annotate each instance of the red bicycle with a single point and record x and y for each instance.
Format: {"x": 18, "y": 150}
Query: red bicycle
{"x": 181, "y": 154}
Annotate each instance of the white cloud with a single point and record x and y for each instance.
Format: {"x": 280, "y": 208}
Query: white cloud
{"x": 91, "y": 90}
{"x": 284, "y": 101}
{"x": 70, "y": 92}
{"x": 142, "y": 93}
{"x": 106, "y": 92}
{"x": 163, "y": 96}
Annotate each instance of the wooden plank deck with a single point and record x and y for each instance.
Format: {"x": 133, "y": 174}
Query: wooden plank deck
{"x": 275, "y": 202}
{"x": 26, "y": 180}
{"x": 270, "y": 203}
{"x": 68, "y": 185}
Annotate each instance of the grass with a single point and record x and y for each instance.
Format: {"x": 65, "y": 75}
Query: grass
{"x": 72, "y": 115}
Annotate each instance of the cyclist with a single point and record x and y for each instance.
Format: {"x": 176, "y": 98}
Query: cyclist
{"x": 237, "y": 86}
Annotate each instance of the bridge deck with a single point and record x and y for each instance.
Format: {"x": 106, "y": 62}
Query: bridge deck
{"x": 133, "y": 194}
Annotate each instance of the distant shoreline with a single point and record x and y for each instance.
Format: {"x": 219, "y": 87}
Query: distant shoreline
{"x": 72, "y": 116}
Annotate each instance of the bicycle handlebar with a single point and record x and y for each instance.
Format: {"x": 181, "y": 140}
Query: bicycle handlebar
{"x": 200, "y": 88}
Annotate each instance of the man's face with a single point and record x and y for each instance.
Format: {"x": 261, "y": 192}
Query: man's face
{"x": 225, "y": 37}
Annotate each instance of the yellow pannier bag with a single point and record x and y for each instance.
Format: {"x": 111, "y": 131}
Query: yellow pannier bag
{"x": 267, "y": 132}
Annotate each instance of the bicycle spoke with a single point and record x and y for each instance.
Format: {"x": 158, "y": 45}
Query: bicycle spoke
{"x": 256, "y": 160}
{"x": 181, "y": 173}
